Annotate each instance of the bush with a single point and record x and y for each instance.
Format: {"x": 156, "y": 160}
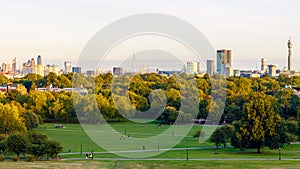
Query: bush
{"x": 30, "y": 158}
{"x": 1, "y": 157}
{"x": 198, "y": 134}
{"x": 15, "y": 159}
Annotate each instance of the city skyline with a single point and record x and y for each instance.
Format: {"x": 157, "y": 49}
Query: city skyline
{"x": 252, "y": 29}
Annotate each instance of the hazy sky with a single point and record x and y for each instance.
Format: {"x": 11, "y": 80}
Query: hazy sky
{"x": 59, "y": 29}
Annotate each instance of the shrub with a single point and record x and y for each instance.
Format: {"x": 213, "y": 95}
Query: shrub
{"x": 15, "y": 159}
{"x": 30, "y": 158}
{"x": 1, "y": 157}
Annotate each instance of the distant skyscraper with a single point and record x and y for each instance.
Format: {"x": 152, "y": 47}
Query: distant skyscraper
{"x": 118, "y": 71}
{"x": 90, "y": 73}
{"x": 68, "y": 67}
{"x": 50, "y": 68}
{"x": 198, "y": 67}
{"x": 5, "y": 68}
{"x": 143, "y": 69}
{"x": 40, "y": 70}
{"x": 191, "y": 67}
{"x": 228, "y": 72}
{"x": 32, "y": 63}
{"x": 14, "y": 66}
{"x": 264, "y": 65}
{"x": 39, "y": 60}
{"x": 290, "y": 63}
{"x": 272, "y": 70}
{"x": 76, "y": 69}
{"x": 210, "y": 66}
{"x": 223, "y": 60}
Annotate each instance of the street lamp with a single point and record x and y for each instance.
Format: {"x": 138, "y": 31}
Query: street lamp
{"x": 187, "y": 154}
{"x": 279, "y": 153}
{"x": 92, "y": 153}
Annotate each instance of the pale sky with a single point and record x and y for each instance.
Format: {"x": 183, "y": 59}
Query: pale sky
{"x": 59, "y": 29}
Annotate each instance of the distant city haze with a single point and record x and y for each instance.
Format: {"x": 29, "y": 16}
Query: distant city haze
{"x": 58, "y": 30}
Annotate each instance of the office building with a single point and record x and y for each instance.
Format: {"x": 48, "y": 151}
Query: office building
{"x": 76, "y": 69}
{"x": 40, "y": 70}
{"x": 5, "y": 68}
{"x": 191, "y": 68}
{"x": 90, "y": 73}
{"x": 50, "y": 69}
{"x": 223, "y": 60}
{"x": 68, "y": 67}
{"x": 39, "y": 60}
{"x": 198, "y": 67}
{"x": 210, "y": 66}
{"x": 143, "y": 69}
{"x": 272, "y": 70}
{"x": 118, "y": 71}
{"x": 228, "y": 72}
{"x": 14, "y": 66}
{"x": 264, "y": 65}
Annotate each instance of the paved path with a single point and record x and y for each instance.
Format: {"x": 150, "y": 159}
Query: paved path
{"x": 183, "y": 159}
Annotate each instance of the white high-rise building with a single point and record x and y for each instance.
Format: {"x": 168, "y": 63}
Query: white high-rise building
{"x": 68, "y": 67}
{"x": 191, "y": 68}
{"x": 143, "y": 69}
{"x": 264, "y": 65}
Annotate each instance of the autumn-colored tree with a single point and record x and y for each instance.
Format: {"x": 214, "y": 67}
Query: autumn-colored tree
{"x": 260, "y": 118}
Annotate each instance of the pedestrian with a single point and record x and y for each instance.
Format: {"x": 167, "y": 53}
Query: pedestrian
{"x": 86, "y": 156}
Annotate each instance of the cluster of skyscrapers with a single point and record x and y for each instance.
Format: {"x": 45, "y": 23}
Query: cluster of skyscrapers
{"x": 35, "y": 67}
{"x": 223, "y": 65}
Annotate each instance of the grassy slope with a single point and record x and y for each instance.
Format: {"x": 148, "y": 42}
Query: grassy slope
{"x": 72, "y": 136}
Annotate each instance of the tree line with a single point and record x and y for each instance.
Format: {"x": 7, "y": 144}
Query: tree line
{"x": 256, "y": 107}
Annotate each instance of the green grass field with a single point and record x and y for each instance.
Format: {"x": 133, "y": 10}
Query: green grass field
{"x": 72, "y": 136}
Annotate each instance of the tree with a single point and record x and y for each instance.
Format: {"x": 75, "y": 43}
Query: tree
{"x": 3, "y": 80}
{"x": 53, "y": 148}
{"x": 3, "y": 144}
{"x": 10, "y": 119}
{"x": 227, "y": 131}
{"x": 260, "y": 120}
{"x": 27, "y": 84}
{"x": 38, "y": 143}
{"x": 31, "y": 120}
{"x": 199, "y": 134}
{"x": 17, "y": 143}
{"x": 218, "y": 137}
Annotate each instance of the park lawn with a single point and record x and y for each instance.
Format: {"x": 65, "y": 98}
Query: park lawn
{"x": 152, "y": 164}
{"x": 72, "y": 136}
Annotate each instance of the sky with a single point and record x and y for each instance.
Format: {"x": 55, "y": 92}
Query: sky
{"x": 59, "y": 29}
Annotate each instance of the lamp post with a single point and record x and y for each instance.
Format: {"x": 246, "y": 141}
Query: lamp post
{"x": 92, "y": 153}
{"x": 80, "y": 147}
{"x": 279, "y": 153}
{"x": 187, "y": 154}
